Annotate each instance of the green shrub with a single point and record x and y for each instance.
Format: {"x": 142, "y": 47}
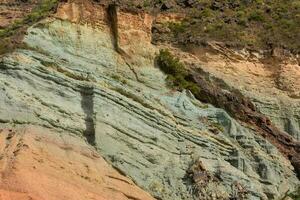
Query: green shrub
{"x": 256, "y": 16}
{"x": 295, "y": 195}
{"x": 258, "y": 24}
{"x": 177, "y": 27}
{"x": 41, "y": 11}
{"x": 5, "y": 45}
{"x": 177, "y": 75}
{"x": 169, "y": 64}
{"x": 147, "y": 3}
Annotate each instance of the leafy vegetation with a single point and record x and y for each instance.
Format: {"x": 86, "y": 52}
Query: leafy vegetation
{"x": 177, "y": 75}
{"x": 7, "y": 40}
{"x": 261, "y": 24}
{"x": 295, "y": 195}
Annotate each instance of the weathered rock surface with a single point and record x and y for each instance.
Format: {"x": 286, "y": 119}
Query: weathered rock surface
{"x": 273, "y": 85}
{"x": 271, "y": 82}
{"x": 70, "y": 80}
{"x": 37, "y": 164}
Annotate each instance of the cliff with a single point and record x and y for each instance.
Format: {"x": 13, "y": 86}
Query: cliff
{"x": 86, "y": 113}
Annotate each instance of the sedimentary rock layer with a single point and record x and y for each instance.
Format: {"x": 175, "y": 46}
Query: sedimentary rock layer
{"x": 69, "y": 80}
{"x": 39, "y": 164}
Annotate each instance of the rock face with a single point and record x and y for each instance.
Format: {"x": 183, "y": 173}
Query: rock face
{"x": 37, "y": 164}
{"x": 78, "y": 95}
{"x": 273, "y": 85}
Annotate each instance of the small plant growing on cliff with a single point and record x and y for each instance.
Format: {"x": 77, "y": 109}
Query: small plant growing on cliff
{"x": 7, "y": 41}
{"x": 177, "y": 27}
{"x": 170, "y": 64}
{"x": 294, "y": 195}
{"x": 42, "y": 10}
{"x": 178, "y": 76}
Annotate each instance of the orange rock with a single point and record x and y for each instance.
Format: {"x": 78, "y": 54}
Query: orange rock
{"x": 40, "y": 165}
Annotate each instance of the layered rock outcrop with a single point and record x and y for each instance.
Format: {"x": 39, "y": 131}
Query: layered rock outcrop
{"x": 272, "y": 83}
{"x": 39, "y": 164}
{"x": 269, "y": 77}
{"x": 73, "y": 97}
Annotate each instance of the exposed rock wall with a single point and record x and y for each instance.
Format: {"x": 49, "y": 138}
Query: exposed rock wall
{"x": 270, "y": 79}
{"x": 39, "y": 164}
{"x": 273, "y": 85}
{"x": 70, "y": 80}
